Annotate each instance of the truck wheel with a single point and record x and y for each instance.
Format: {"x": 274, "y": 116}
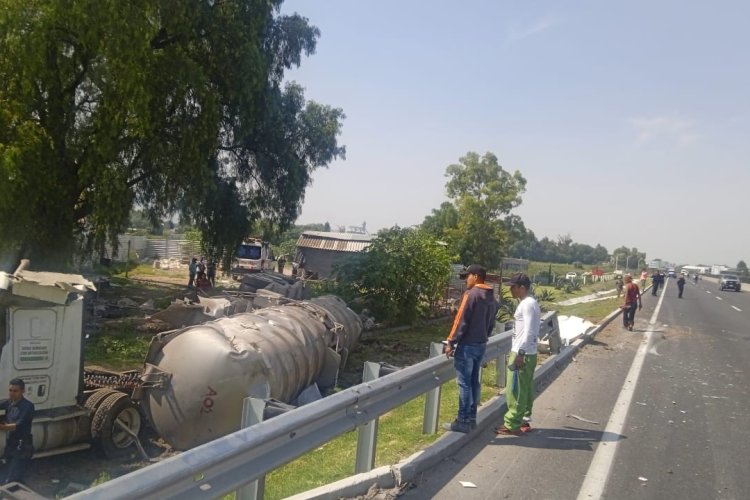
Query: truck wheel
{"x": 95, "y": 399}
{"x": 109, "y": 437}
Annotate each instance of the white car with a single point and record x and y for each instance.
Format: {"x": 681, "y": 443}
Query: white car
{"x": 571, "y": 275}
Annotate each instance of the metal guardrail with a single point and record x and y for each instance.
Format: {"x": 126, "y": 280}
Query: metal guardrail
{"x": 230, "y": 462}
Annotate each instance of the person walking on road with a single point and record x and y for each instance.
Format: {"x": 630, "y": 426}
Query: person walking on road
{"x": 519, "y": 394}
{"x": 632, "y": 301}
{"x": 619, "y": 284}
{"x": 644, "y": 277}
{"x": 467, "y": 343}
{"x": 655, "y": 282}
{"x": 681, "y": 285}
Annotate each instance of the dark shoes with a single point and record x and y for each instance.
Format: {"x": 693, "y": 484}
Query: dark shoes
{"x": 459, "y": 426}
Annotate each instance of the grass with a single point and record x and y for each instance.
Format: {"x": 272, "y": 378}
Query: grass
{"x": 399, "y": 436}
{"x": 593, "y": 311}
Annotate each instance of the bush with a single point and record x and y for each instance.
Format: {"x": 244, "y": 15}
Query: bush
{"x": 400, "y": 277}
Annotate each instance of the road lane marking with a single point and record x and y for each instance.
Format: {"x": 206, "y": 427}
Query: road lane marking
{"x": 708, "y": 292}
{"x": 601, "y": 465}
{"x": 718, "y": 298}
{"x": 736, "y": 308}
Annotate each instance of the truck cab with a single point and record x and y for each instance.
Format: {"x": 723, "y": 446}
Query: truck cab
{"x": 252, "y": 255}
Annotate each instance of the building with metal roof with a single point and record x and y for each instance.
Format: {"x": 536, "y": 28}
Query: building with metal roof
{"x": 319, "y": 251}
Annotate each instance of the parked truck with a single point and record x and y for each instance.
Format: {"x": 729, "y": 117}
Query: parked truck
{"x": 252, "y": 255}
{"x": 194, "y": 379}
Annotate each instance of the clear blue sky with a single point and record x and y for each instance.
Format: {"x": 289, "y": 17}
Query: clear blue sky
{"x": 629, "y": 119}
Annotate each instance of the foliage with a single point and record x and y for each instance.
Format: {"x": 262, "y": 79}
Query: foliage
{"x": 629, "y": 258}
{"x": 544, "y": 294}
{"x": 568, "y": 285}
{"x": 475, "y": 223}
{"x": 742, "y": 268}
{"x": 285, "y": 242}
{"x": 175, "y": 106}
{"x": 402, "y": 274}
{"x": 442, "y": 224}
{"x": 507, "y": 306}
{"x": 116, "y": 350}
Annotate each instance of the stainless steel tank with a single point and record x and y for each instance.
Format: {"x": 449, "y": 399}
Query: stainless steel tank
{"x": 195, "y": 378}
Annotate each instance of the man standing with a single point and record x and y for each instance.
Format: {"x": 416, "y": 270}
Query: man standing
{"x": 644, "y": 276}
{"x": 655, "y": 282}
{"x": 192, "y": 268}
{"x": 519, "y": 393}
{"x": 632, "y": 300}
{"x": 211, "y": 272}
{"x": 467, "y": 343}
{"x": 681, "y": 284}
{"x": 19, "y": 413}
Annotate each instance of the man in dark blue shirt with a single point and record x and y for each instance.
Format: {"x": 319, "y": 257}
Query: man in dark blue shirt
{"x": 19, "y": 414}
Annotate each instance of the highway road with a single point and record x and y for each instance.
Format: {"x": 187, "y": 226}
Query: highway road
{"x": 658, "y": 413}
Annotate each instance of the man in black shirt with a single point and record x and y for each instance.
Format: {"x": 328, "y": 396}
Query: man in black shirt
{"x": 19, "y": 413}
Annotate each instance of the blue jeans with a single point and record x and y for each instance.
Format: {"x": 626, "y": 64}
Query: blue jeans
{"x": 468, "y": 360}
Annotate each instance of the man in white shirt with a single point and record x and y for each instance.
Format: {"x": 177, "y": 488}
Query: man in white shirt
{"x": 519, "y": 393}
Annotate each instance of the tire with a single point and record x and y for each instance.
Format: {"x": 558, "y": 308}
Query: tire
{"x": 95, "y": 399}
{"x": 109, "y": 438}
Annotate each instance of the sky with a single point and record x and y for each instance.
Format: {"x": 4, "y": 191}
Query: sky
{"x": 630, "y": 120}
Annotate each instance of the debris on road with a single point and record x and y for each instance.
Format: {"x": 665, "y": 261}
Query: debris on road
{"x": 583, "y": 419}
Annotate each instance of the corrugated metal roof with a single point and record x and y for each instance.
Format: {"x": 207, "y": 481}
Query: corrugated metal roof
{"x": 337, "y": 242}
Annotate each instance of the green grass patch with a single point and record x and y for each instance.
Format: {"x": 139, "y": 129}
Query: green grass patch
{"x": 399, "y": 436}
{"x": 593, "y": 311}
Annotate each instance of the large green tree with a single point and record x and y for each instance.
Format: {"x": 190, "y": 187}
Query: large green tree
{"x": 483, "y": 194}
{"x": 164, "y": 105}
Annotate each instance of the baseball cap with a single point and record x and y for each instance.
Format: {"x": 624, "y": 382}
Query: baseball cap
{"x": 474, "y": 269}
{"x": 520, "y": 279}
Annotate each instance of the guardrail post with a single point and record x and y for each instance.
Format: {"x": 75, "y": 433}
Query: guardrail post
{"x": 501, "y": 371}
{"x": 252, "y": 413}
{"x": 367, "y": 434}
{"x": 432, "y": 398}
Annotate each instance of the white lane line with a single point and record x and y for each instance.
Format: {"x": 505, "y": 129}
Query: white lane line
{"x": 736, "y": 308}
{"x": 601, "y": 465}
{"x": 708, "y": 292}
{"x": 718, "y": 298}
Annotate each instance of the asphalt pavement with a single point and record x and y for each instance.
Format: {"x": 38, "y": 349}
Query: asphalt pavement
{"x": 660, "y": 412}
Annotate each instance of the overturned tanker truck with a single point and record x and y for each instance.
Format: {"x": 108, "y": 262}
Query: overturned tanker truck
{"x": 194, "y": 379}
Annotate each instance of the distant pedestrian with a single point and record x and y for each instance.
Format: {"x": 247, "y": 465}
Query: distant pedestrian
{"x": 19, "y": 415}
{"x": 695, "y": 278}
{"x": 211, "y": 272}
{"x": 192, "y": 270}
{"x": 522, "y": 359}
{"x": 467, "y": 343}
{"x": 280, "y": 264}
{"x": 655, "y": 282}
{"x": 201, "y": 267}
{"x": 644, "y": 277}
{"x": 619, "y": 284}
{"x": 681, "y": 285}
{"x": 632, "y": 301}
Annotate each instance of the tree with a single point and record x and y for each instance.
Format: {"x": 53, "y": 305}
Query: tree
{"x": 402, "y": 273}
{"x": 442, "y": 223}
{"x": 483, "y": 193}
{"x": 742, "y": 268}
{"x": 167, "y": 106}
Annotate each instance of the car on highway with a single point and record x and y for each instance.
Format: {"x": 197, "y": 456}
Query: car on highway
{"x": 729, "y": 282}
